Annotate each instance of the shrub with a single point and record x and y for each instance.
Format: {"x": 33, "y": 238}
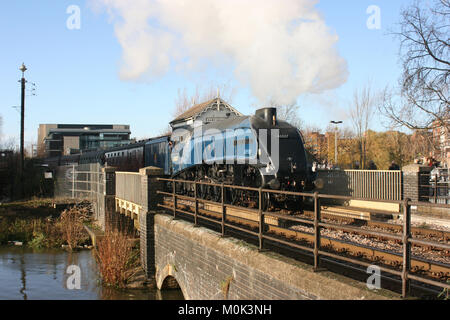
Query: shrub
{"x": 38, "y": 240}
{"x": 72, "y": 228}
{"x": 113, "y": 253}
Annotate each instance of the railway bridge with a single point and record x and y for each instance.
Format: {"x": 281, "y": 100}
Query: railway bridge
{"x": 215, "y": 250}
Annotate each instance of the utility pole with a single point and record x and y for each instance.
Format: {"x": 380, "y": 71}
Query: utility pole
{"x": 335, "y": 141}
{"x": 22, "y": 68}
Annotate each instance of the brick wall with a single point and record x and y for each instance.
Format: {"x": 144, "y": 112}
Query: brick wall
{"x": 207, "y": 266}
{"x": 410, "y": 186}
{"x": 415, "y": 176}
{"x": 147, "y": 247}
{"x": 150, "y": 199}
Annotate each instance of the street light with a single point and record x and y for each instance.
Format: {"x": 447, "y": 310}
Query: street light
{"x": 335, "y": 141}
{"x": 22, "y": 68}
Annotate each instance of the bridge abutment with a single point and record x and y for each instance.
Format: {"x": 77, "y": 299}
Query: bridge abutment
{"x": 207, "y": 266}
{"x": 149, "y": 198}
{"x": 105, "y": 202}
{"x": 415, "y": 177}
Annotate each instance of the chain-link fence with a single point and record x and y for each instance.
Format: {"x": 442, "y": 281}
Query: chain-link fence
{"x": 79, "y": 181}
{"x": 82, "y": 182}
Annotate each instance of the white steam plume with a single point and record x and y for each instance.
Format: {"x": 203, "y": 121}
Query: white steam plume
{"x": 280, "y": 48}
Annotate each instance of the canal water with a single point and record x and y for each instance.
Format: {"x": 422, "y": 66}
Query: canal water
{"x": 29, "y": 274}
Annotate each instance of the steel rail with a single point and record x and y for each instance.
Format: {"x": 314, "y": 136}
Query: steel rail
{"x": 356, "y": 230}
{"x": 383, "y": 225}
{"x": 389, "y": 236}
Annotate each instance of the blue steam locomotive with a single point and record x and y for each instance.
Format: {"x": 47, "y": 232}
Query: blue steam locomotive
{"x": 255, "y": 151}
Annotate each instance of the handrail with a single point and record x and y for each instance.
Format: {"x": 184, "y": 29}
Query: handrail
{"x": 306, "y": 194}
{"x": 406, "y": 237}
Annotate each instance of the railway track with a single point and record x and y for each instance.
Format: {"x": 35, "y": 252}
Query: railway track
{"x": 305, "y": 240}
{"x": 432, "y": 234}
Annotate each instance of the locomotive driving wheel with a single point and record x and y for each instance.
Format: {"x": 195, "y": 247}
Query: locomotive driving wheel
{"x": 236, "y": 196}
{"x": 215, "y": 193}
{"x": 266, "y": 202}
{"x": 202, "y": 191}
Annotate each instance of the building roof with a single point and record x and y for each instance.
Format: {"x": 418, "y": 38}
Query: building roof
{"x": 199, "y": 108}
{"x": 89, "y": 131}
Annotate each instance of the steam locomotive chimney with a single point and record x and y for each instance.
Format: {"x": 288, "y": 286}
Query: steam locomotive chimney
{"x": 269, "y": 115}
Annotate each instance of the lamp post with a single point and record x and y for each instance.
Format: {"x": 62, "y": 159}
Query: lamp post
{"x": 22, "y": 68}
{"x": 335, "y": 140}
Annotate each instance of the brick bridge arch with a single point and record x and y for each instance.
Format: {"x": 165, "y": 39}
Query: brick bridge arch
{"x": 166, "y": 278}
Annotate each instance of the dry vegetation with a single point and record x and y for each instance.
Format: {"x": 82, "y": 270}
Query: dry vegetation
{"x": 40, "y": 231}
{"x": 71, "y": 223}
{"x": 114, "y": 254}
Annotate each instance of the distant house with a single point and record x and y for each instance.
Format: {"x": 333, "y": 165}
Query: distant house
{"x": 441, "y": 138}
{"x": 317, "y": 144}
{"x": 210, "y": 111}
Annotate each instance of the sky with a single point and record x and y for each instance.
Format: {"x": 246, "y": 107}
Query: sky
{"x": 123, "y": 62}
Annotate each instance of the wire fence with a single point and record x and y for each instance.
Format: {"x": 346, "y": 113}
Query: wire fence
{"x": 82, "y": 182}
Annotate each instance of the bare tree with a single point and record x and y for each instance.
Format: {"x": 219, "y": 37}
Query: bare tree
{"x": 1, "y": 127}
{"x": 361, "y": 113}
{"x": 6, "y": 144}
{"x": 9, "y": 144}
{"x": 423, "y": 101}
{"x": 185, "y": 101}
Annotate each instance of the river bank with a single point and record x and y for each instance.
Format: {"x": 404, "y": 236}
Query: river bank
{"x": 46, "y": 274}
{"x": 44, "y": 223}
{"x": 65, "y": 226}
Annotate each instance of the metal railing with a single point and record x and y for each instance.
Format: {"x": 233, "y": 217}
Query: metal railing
{"x": 435, "y": 186}
{"x": 317, "y": 249}
{"x": 368, "y": 184}
{"x": 128, "y": 186}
